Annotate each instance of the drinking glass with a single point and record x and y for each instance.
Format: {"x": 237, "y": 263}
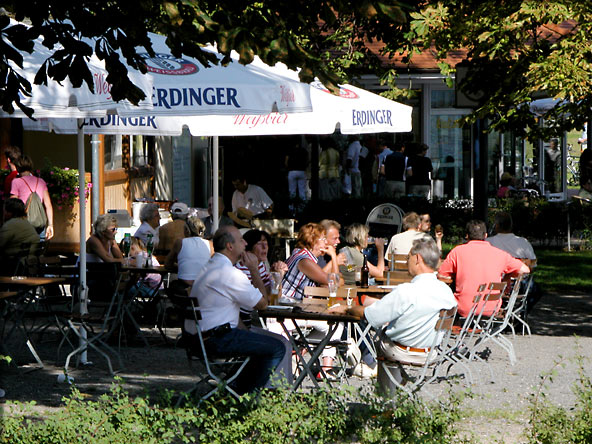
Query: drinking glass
{"x": 349, "y": 260}
{"x": 276, "y": 284}
{"x": 332, "y": 283}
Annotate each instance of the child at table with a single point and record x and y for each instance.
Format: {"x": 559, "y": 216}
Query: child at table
{"x": 146, "y": 285}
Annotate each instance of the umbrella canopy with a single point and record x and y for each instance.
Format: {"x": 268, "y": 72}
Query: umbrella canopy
{"x": 62, "y": 99}
{"x": 354, "y": 111}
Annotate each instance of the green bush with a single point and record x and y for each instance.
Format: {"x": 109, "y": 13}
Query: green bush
{"x": 551, "y": 424}
{"x": 271, "y": 417}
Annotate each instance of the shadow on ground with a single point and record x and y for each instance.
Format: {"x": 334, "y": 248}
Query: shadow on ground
{"x": 562, "y": 315}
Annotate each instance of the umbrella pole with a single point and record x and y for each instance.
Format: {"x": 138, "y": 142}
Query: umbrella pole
{"x": 215, "y": 188}
{"x": 82, "y": 216}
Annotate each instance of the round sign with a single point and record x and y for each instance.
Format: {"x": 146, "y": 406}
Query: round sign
{"x": 167, "y": 64}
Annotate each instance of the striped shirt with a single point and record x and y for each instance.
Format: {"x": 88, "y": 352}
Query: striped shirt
{"x": 245, "y": 313}
{"x": 294, "y": 280}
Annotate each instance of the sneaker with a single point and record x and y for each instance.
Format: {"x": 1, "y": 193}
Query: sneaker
{"x": 363, "y": 370}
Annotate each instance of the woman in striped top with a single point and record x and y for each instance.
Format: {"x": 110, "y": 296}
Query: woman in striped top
{"x": 304, "y": 271}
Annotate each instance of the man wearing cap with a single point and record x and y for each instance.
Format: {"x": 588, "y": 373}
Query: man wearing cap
{"x": 176, "y": 229}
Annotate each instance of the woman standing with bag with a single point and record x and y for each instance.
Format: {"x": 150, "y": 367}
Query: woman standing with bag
{"x": 26, "y": 184}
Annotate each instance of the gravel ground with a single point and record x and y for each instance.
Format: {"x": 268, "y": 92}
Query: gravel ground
{"x": 496, "y": 411}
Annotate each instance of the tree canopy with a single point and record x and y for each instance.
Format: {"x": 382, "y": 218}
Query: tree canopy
{"x": 517, "y": 52}
{"x": 321, "y": 37}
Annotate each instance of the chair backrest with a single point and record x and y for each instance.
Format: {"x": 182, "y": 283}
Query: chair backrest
{"x": 398, "y": 262}
{"x": 446, "y": 319}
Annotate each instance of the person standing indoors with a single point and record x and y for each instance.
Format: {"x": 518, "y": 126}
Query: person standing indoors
{"x": 396, "y": 169}
{"x": 420, "y": 182}
{"x": 329, "y": 185}
{"x": 296, "y": 164}
{"x": 352, "y": 166}
{"x": 23, "y": 186}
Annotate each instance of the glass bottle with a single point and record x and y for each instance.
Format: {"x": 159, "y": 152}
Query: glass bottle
{"x": 364, "y": 272}
{"x": 149, "y": 250}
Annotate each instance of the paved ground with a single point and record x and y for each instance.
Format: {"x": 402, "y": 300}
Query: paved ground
{"x": 494, "y": 407}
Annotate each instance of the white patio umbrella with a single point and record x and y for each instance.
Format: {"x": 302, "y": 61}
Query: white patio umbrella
{"x": 353, "y": 111}
{"x": 173, "y": 87}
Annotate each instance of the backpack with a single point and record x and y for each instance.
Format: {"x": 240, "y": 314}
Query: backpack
{"x": 35, "y": 210}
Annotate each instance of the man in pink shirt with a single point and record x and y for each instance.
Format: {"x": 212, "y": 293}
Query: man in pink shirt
{"x": 477, "y": 262}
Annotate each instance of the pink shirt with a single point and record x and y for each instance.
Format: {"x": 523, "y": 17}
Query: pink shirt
{"x": 475, "y": 263}
{"x": 21, "y": 190}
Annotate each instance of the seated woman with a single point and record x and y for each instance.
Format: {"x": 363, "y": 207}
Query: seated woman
{"x": 257, "y": 249}
{"x": 356, "y": 236}
{"x": 101, "y": 245}
{"x": 507, "y": 188}
{"x": 191, "y": 253}
{"x": 304, "y": 271}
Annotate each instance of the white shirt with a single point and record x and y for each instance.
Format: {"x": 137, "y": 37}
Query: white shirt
{"x": 401, "y": 243}
{"x": 254, "y": 199}
{"x": 516, "y": 246}
{"x": 142, "y": 233}
{"x": 220, "y": 290}
{"x": 409, "y": 313}
{"x": 193, "y": 257}
{"x": 353, "y": 154}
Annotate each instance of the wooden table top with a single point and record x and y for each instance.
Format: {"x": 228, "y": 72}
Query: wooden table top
{"x": 311, "y": 309}
{"x": 30, "y": 281}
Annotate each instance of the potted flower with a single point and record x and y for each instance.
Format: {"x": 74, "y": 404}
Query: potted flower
{"x": 63, "y": 188}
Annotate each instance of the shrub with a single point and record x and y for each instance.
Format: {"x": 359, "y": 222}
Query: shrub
{"x": 550, "y": 424}
{"x": 270, "y": 417}
{"x": 62, "y": 185}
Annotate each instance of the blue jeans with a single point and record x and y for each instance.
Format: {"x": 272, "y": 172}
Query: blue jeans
{"x": 265, "y": 352}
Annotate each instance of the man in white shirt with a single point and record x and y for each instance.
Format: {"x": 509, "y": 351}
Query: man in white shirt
{"x": 406, "y": 317}
{"x": 250, "y": 200}
{"x": 221, "y": 289}
{"x": 401, "y": 243}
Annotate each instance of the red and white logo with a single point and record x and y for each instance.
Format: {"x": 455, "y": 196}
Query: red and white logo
{"x": 169, "y": 65}
{"x": 344, "y": 93}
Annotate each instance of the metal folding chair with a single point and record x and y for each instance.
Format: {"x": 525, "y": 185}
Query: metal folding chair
{"x": 105, "y": 306}
{"x": 219, "y": 371}
{"x": 439, "y": 350}
{"x": 519, "y": 312}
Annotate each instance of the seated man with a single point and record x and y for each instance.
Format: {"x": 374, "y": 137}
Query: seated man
{"x": 477, "y": 262}
{"x": 176, "y": 229}
{"x": 401, "y": 243}
{"x": 250, "y": 200}
{"x": 407, "y": 315}
{"x": 16, "y": 230}
{"x": 504, "y": 239}
{"x": 517, "y": 247}
{"x": 221, "y": 290}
